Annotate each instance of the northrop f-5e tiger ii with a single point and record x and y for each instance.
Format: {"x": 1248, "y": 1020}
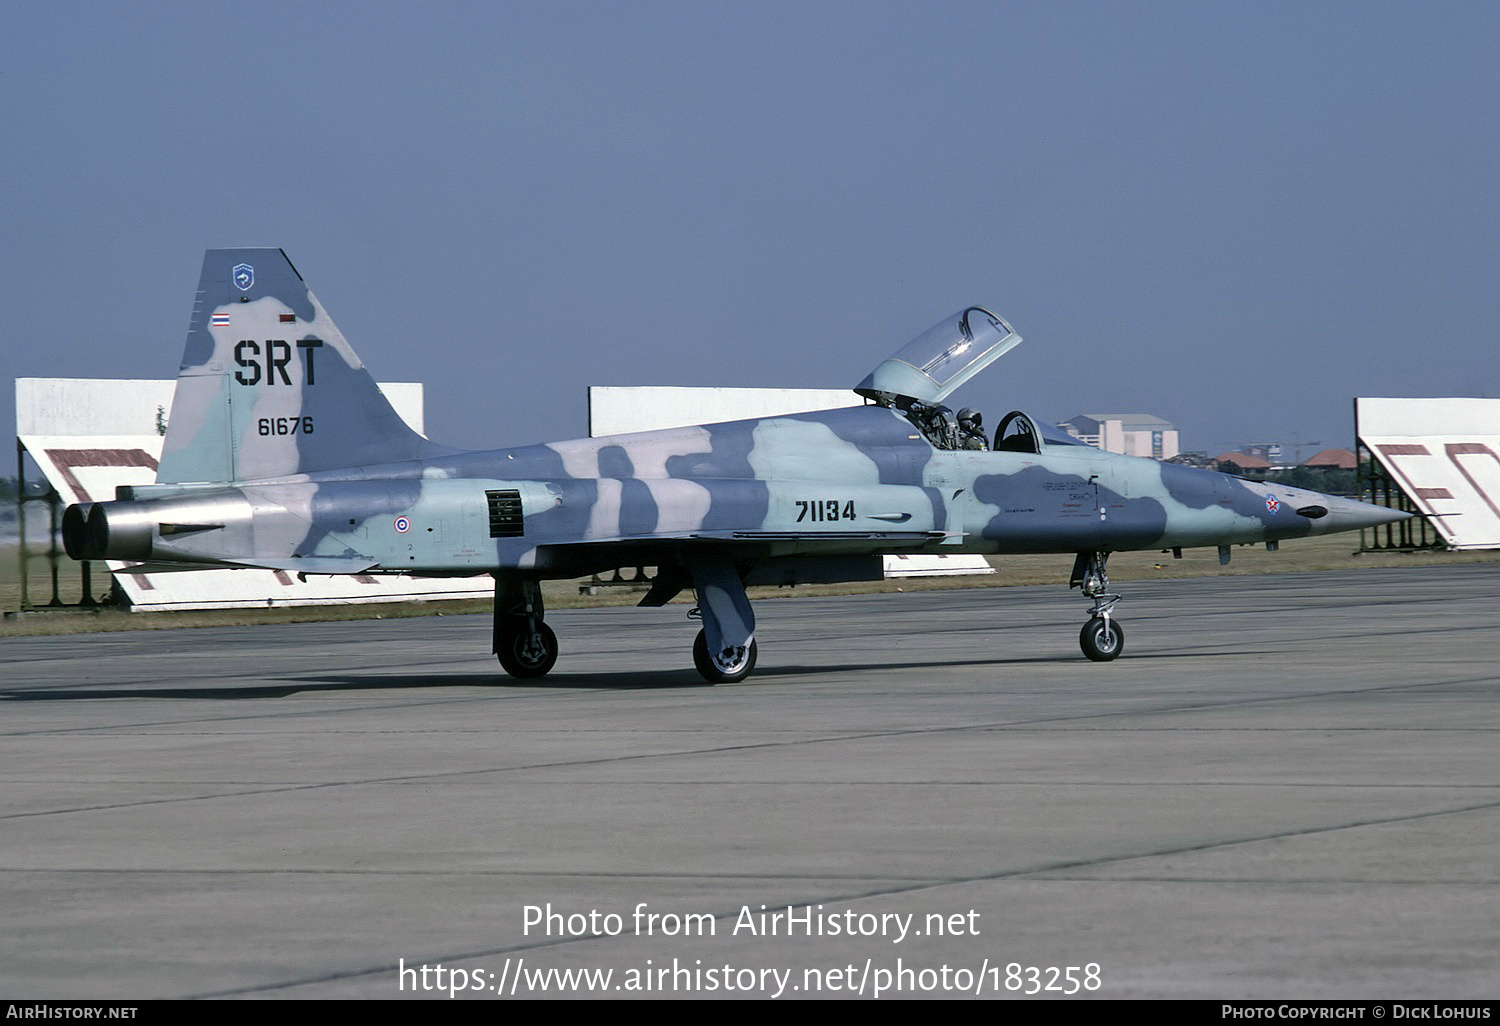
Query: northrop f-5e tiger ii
{"x": 282, "y": 453}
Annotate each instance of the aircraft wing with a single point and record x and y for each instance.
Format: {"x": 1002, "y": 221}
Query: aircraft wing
{"x": 772, "y": 557}
{"x": 813, "y": 538}
{"x": 801, "y": 541}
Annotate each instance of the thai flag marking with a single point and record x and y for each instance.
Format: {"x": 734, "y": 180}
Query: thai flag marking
{"x": 219, "y": 321}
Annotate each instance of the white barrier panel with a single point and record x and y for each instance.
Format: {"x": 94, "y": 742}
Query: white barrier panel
{"x": 621, "y": 410}
{"x": 90, "y": 435}
{"x": 1445, "y": 454}
{"x": 108, "y": 406}
{"x": 922, "y": 564}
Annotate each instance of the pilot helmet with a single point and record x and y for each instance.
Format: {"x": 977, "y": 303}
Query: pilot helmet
{"x": 968, "y": 416}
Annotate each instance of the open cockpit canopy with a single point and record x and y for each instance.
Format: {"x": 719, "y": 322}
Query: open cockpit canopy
{"x": 932, "y": 365}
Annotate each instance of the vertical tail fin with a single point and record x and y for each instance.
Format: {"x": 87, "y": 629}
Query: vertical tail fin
{"x": 268, "y": 385}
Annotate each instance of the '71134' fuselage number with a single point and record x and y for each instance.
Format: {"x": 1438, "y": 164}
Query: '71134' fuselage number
{"x": 822, "y": 510}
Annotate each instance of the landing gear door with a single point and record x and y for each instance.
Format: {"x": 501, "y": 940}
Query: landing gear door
{"x": 935, "y": 363}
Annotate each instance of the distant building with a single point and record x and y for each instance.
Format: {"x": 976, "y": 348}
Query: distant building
{"x": 1245, "y": 460}
{"x": 1131, "y": 434}
{"x": 1268, "y": 451}
{"x": 1332, "y": 459}
{"x": 1195, "y": 459}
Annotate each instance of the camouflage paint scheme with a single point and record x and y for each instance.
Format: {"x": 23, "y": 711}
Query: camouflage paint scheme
{"x": 281, "y": 452}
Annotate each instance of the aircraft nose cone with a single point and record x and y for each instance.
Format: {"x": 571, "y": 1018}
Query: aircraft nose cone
{"x": 1351, "y": 515}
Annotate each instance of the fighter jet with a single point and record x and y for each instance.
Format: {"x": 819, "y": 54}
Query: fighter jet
{"x": 281, "y": 452}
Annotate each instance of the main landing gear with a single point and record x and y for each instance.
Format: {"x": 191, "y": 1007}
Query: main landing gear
{"x": 724, "y": 651}
{"x": 524, "y": 643}
{"x": 1101, "y": 639}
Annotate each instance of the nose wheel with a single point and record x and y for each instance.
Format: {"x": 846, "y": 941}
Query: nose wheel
{"x": 1101, "y": 639}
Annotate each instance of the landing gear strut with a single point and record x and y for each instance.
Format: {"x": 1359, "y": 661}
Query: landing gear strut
{"x": 525, "y": 645}
{"x": 1101, "y": 639}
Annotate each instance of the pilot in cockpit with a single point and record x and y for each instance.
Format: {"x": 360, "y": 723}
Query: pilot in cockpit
{"x": 937, "y": 423}
{"x": 970, "y": 430}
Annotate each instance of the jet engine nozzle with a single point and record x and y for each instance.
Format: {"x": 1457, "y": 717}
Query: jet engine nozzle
{"x": 119, "y": 530}
{"x": 202, "y": 527}
{"x": 75, "y": 531}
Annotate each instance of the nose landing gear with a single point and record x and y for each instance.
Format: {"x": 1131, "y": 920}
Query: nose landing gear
{"x": 1101, "y": 639}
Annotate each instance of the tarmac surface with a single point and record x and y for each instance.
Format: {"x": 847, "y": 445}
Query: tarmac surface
{"x": 1287, "y": 787}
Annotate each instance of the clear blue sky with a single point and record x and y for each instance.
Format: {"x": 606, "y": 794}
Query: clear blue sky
{"x": 1235, "y": 216}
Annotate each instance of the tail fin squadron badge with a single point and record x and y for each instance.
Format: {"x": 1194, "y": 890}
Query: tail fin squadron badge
{"x": 244, "y": 277}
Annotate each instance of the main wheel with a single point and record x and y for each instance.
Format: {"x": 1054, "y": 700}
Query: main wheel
{"x": 716, "y": 669}
{"x": 1101, "y": 639}
{"x": 526, "y": 653}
